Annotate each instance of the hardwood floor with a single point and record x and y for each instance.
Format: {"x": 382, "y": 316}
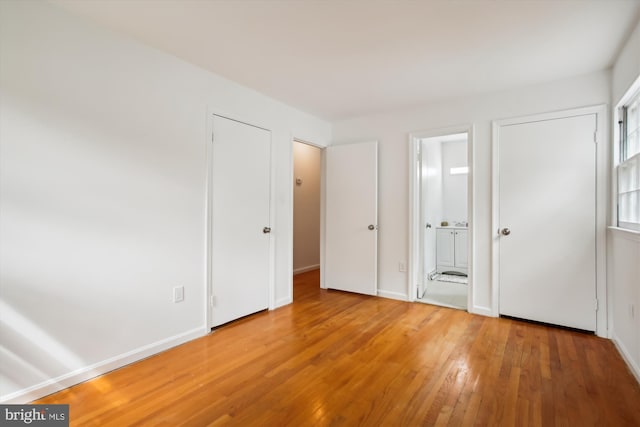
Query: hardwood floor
{"x": 335, "y": 358}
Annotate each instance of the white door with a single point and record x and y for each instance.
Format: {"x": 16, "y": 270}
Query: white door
{"x": 547, "y": 223}
{"x": 351, "y": 249}
{"x": 431, "y": 202}
{"x": 240, "y": 262}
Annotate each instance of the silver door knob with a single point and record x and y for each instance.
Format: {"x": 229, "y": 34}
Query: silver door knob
{"x": 428, "y": 225}
{"x": 371, "y": 227}
{"x": 505, "y": 231}
{"x": 266, "y": 230}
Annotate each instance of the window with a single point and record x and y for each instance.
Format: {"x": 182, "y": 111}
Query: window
{"x": 463, "y": 170}
{"x": 629, "y": 167}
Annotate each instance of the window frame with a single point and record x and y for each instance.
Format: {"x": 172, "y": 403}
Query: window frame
{"x": 622, "y": 157}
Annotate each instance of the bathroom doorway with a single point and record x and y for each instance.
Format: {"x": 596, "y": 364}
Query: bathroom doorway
{"x": 441, "y": 207}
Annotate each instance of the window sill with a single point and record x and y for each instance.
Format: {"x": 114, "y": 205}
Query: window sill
{"x": 625, "y": 233}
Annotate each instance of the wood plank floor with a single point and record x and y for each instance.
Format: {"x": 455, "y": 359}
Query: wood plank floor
{"x": 335, "y": 358}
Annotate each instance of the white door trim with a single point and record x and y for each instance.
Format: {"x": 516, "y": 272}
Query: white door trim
{"x": 209, "y": 218}
{"x": 414, "y": 209}
{"x": 602, "y": 149}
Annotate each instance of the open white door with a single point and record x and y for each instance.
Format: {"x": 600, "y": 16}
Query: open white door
{"x": 547, "y": 221}
{"x": 240, "y": 249}
{"x": 351, "y": 237}
{"x": 431, "y": 205}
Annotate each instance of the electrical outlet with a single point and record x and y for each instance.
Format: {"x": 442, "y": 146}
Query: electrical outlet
{"x": 402, "y": 267}
{"x": 178, "y": 294}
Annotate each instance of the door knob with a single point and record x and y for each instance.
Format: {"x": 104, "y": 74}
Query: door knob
{"x": 266, "y": 230}
{"x": 428, "y": 225}
{"x": 505, "y": 231}
{"x": 371, "y": 227}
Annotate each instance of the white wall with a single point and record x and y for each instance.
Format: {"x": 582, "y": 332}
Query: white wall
{"x": 624, "y": 291}
{"x": 391, "y": 130}
{"x": 307, "y": 162}
{"x": 623, "y": 271}
{"x": 103, "y": 196}
{"x": 626, "y": 68}
{"x": 454, "y": 154}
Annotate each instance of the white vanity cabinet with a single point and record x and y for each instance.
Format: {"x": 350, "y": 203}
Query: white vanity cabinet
{"x": 460, "y": 243}
{"x": 451, "y": 249}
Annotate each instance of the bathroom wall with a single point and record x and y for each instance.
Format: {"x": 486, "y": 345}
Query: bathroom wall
{"x": 454, "y": 199}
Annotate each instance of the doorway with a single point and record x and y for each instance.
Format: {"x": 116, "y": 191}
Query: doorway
{"x": 347, "y": 225}
{"x": 441, "y": 216}
{"x": 307, "y": 167}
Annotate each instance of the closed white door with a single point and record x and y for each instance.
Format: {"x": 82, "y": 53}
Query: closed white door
{"x": 547, "y": 223}
{"x": 240, "y": 262}
{"x": 351, "y": 249}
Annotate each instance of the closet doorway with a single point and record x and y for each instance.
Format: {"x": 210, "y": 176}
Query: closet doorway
{"x": 441, "y": 206}
{"x": 307, "y": 174}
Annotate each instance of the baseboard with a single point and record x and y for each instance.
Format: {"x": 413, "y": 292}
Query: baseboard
{"x": 626, "y": 356}
{"x": 53, "y": 385}
{"x": 392, "y": 295}
{"x": 482, "y": 311}
{"x": 283, "y": 301}
{"x": 305, "y": 269}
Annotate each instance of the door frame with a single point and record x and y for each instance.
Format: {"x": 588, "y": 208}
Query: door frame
{"x": 602, "y": 176}
{"x": 415, "y": 227}
{"x": 208, "y": 302}
{"x": 321, "y": 147}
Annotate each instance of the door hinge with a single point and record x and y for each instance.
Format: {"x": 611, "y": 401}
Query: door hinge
{"x": 212, "y": 301}
{"x": 595, "y": 136}
{"x": 596, "y": 305}
{"x": 211, "y": 136}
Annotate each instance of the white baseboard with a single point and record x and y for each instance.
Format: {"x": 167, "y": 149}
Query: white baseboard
{"x": 633, "y": 366}
{"x": 392, "y": 295}
{"x": 482, "y": 311}
{"x": 305, "y": 269}
{"x": 283, "y": 301}
{"x": 53, "y": 385}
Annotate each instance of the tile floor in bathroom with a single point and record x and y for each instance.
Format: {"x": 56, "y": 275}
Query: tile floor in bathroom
{"x": 447, "y": 294}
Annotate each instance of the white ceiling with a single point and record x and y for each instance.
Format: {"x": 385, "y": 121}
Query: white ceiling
{"x": 338, "y": 59}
